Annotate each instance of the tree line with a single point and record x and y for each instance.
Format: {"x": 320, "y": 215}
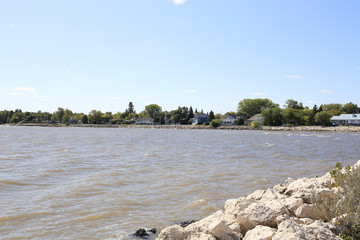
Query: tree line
{"x": 292, "y": 113}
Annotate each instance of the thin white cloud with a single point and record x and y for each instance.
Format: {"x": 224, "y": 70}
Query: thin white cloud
{"x": 358, "y": 68}
{"x": 41, "y": 97}
{"x": 12, "y": 25}
{"x": 114, "y": 98}
{"x": 190, "y": 91}
{"x": 67, "y": 70}
{"x": 326, "y": 91}
{"x": 26, "y": 89}
{"x": 19, "y": 94}
{"x": 312, "y": 101}
{"x": 259, "y": 94}
{"x": 294, "y": 76}
{"x": 178, "y": 2}
{"x": 142, "y": 96}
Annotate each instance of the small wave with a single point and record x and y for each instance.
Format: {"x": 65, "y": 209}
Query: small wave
{"x": 24, "y": 216}
{"x": 9, "y": 182}
{"x": 261, "y": 181}
{"x": 269, "y": 144}
{"x": 197, "y": 203}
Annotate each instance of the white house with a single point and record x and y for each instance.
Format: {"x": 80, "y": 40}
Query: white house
{"x": 346, "y": 119}
{"x": 144, "y": 121}
{"x": 229, "y": 120}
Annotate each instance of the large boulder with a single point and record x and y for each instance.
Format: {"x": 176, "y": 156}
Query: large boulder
{"x": 289, "y": 230}
{"x": 306, "y": 211}
{"x": 209, "y": 228}
{"x": 221, "y": 231}
{"x": 318, "y": 230}
{"x": 235, "y": 206}
{"x": 260, "y": 233}
{"x": 260, "y": 214}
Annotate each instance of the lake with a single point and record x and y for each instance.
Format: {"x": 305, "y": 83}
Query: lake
{"x": 105, "y": 183}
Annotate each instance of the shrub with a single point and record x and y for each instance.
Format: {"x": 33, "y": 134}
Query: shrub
{"x": 345, "y": 206}
{"x": 239, "y": 121}
{"x": 254, "y": 124}
{"x": 215, "y": 123}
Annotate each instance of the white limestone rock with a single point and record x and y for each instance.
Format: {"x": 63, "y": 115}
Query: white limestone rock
{"x": 271, "y": 194}
{"x": 235, "y": 206}
{"x": 221, "y": 231}
{"x": 260, "y": 233}
{"x": 292, "y": 204}
{"x": 260, "y": 214}
{"x": 199, "y": 228}
{"x": 256, "y": 195}
{"x": 320, "y": 230}
{"x": 289, "y": 230}
{"x": 315, "y": 231}
{"x": 306, "y": 211}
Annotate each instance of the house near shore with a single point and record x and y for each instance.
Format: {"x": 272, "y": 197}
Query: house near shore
{"x": 200, "y": 118}
{"x": 346, "y": 119}
{"x": 257, "y": 118}
{"x": 144, "y": 121}
{"x": 230, "y": 119}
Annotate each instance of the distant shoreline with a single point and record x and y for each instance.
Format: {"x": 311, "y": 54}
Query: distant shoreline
{"x": 263, "y": 128}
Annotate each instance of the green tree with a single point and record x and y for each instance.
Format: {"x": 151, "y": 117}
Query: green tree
{"x": 68, "y": 114}
{"x": 153, "y": 110}
{"x": 17, "y": 117}
{"x": 106, "y": 117}
{"x": 290, "y": 103}
{"x": 59, "y": 114}
{"x": 211, "y": 116}
{"x": 251, "y": 107}
{"x": 131, "y": 108}
{"x": 350, "y": 108}
{"x": 272, "y": 116}
{"x": 84, "y": 119}
{"x": 323, "y": 118}
{"x": 292, "y": 116}
{"x": 191, "y": 113}
{"x": 95, "y": 117}
{"x": 333, "y": 108}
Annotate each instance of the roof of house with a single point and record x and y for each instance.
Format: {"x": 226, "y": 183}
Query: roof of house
{"x": 230, "y": 116}
{"x": 198, "y": 115}
{"x": 255, "y": 117}
{"x": 354, "y": 116}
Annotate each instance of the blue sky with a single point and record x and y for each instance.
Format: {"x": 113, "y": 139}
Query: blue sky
{"x": 208, "y": 54}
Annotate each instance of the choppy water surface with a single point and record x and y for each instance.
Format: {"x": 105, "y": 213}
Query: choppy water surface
{"x": 81, "y": 183}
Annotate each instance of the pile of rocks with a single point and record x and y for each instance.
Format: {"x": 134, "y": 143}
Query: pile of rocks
{"x": 283, "y": 212}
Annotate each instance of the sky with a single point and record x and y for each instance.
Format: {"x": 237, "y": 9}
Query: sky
{"x": 208, "y": 54}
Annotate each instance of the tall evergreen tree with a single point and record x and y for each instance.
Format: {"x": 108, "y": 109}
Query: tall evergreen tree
{"x": 131, "y": 108}
{"x": 191, "y": 113}
{"x": 211, "y": 116}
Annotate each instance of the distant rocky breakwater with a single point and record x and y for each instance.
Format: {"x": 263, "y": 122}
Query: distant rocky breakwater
{"x": 264, "y": 128}
{"x": 283, "y": 212}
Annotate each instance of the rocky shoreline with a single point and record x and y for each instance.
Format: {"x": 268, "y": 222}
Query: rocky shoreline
{"x": 283, "y": 212}
{"x": 264, "y": 128}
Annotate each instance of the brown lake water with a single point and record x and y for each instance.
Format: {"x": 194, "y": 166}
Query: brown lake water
{"x": 92, "y": 183}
